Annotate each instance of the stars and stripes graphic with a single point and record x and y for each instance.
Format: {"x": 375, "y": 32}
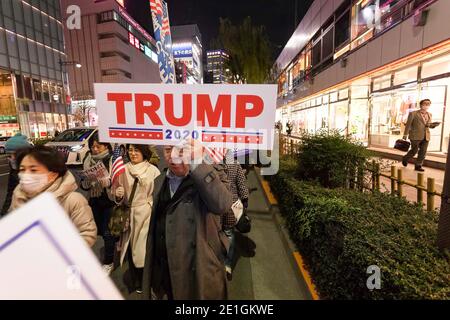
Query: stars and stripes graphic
{"x": 216, "y": 154}
{"x": 118, "y": 166}
{"x": 156, "y": 6}
{"x": 136, "y": 133}
{"x": 232, "y": 137}
{"x": 161, "y": 27}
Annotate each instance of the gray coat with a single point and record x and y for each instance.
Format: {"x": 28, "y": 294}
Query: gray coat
{"x": 196, "y": 245}
{"x": 416, "y": 127}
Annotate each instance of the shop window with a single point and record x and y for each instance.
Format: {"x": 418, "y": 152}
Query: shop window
{"x": 45, "y": 91}
{"x": 363, "y": 21}
{"x": 436, "y": 67}
{"x": 405, "y": 76}
{"x": 19, "y": 86}
{"x": 343, "y": 94}
{"x": 37, "y": 89}
{"x": 333, "y": 97}
{"x": 28, "y": 87}
{"x": 342, "y": 29}
{"x": 382, "y": 82}
{"x": 316, "y": 54}
{"x": 327, "y": 44}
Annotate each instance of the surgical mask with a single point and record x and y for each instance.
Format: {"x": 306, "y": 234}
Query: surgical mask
{"x": 33, "y": 182}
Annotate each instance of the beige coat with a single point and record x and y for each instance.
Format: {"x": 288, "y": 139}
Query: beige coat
{"x": 75, "y": 205}
{"x": 416, "y": 127}
{"x": 141, "y": 209}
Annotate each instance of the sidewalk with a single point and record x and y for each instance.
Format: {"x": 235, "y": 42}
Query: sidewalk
{"x": 263, "y": 266}
{"x": 434, "y": 161}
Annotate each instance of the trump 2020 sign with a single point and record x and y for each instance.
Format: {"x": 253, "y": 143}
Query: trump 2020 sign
{"x": 229, "y": 116}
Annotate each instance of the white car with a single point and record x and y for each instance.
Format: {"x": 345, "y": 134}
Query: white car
{"x": 73, "y": 143}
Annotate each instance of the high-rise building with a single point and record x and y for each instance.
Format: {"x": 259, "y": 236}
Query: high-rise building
{"x": 32, "y": 97}
{"x": 216, "y": 63}
{"x": 111, "y": 47}
{"x": 188, "y": 51}
{"x": 360, "y": 67}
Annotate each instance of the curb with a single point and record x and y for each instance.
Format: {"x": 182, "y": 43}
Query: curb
{"x": 295, "y": 258}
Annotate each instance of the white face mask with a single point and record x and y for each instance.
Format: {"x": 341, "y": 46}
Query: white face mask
{"x": 33, "y": 182}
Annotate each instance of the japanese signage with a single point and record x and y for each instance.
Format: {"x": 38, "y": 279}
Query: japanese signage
{"x": 239, "y": 116}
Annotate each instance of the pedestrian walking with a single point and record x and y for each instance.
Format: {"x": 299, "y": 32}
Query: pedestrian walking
{"x": 239, "y": 191}
{"x": 139, "y": 176}
{"x": 186, "y": 246}
{"x": 12, "y": 146}
{"x": 418, "y": 130}
{"x": 100, "y": 198}
{"x": 43, "y": 169}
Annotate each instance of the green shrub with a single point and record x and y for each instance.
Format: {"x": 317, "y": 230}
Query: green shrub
{"x": 342, "y": 232}
{"x": 330, "y": 158}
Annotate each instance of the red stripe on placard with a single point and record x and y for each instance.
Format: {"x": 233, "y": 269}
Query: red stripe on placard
{"x": 235, "y": 138}
{"x": 127, "y": 134}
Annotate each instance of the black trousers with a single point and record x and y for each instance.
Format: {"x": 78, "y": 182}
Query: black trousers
{"x": 420, "y": 146}
{"x": 136, "y": 274}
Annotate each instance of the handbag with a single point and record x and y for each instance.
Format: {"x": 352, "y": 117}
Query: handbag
{"x": 402, "y": 145}
{"x": 244, "y": 225}
{"x": 120, "y": 215}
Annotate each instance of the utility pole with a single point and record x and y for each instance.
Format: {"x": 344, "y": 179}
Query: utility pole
{"x": 443, "y": 239}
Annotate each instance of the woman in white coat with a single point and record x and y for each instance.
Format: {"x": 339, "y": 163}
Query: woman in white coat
{"x": 132, "y": 244}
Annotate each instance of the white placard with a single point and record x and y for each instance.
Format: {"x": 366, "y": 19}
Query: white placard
{"x": 225, "y": 115}
{"x": 42, "y": 256}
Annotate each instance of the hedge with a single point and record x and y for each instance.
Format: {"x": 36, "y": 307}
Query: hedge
{"x": 342, "y": 232}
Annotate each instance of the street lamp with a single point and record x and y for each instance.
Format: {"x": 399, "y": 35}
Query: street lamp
{"x": 61, "y": 64}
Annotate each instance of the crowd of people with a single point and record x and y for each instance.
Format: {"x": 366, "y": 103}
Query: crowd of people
{"x": 178, "y": 239}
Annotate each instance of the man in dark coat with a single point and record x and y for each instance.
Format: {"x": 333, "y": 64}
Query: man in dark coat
{"x": 13, "y": 145}
{"x": 186, "y": 246}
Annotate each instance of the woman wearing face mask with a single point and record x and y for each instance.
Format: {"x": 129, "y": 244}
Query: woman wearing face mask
{"x": 141, "y": 173}
{"x": 43, "y": 169}
{"x": 100, "y": 198}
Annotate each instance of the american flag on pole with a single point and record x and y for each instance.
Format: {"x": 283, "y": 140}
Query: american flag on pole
{"x": 118, "y": 166}
{"x": 161, "y": 27}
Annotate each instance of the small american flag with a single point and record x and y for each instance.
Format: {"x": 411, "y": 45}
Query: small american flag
{"x": 118, "y": 166}
{"x": 216, "y": 154}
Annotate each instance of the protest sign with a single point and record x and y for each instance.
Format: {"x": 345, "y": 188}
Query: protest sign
{"x": 229, "y": 116}
{"x": 95, "y": 173}
{"x": 42, "y": 256}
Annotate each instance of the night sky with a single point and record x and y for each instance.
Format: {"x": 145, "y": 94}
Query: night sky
{"x": 278, "y": 16}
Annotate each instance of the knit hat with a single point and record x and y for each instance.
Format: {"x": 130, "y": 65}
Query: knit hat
{"x": 16, "y": 142}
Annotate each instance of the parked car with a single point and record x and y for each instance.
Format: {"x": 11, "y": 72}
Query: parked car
{"x": 2, "y": 144}
{"x": 73, "y": 143}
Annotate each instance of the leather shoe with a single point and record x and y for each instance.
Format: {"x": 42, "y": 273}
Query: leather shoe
{"x": 404, "y": 163}
{"x": 419, "y": 169}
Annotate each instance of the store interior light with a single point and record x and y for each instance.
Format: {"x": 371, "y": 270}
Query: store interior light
{"x": 78, "y": 65}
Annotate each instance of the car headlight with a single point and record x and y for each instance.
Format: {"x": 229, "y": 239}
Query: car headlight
{"x": 76, "y": 148}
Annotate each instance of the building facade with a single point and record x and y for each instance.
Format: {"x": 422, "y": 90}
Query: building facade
{"x": 188, "y": 51}
{"x": 112, "y": 48}
{"x": 32, "y": 96}
{"x": 216, "y": 63}
{"x": 361, "y": 66}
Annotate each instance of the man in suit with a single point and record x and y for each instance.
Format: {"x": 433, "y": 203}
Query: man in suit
{"x": 418, "y": 128}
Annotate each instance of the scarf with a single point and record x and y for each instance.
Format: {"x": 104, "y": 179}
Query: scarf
{"x": 139, "y": 170}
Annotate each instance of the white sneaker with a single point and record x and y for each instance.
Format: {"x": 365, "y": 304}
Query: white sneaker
{"x": 108, "y": 268}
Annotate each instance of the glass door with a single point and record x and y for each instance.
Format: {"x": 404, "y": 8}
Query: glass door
{"x": 437, "y": 95}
